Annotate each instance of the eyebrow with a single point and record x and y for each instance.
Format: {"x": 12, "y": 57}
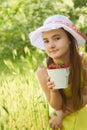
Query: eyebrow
{"x": 55, "y": 35}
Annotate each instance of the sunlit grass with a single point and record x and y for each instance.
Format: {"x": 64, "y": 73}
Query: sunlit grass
{"x": 22, "y": 103}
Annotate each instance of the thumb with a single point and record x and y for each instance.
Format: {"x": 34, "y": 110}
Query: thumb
{"x": 61, "y": 127}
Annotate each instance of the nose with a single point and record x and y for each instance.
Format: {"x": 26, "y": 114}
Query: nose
{"x": 51, "y": 44}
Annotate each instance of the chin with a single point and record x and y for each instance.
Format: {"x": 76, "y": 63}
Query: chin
{"x": 57, "y": 56}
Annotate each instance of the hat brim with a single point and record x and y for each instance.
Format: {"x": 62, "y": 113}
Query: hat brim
{"x": 37, "y": 40}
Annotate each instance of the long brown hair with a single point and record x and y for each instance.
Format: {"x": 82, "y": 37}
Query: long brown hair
{"x": 75, "y": 74}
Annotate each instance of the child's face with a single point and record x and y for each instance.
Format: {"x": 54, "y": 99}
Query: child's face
{"x": 56, "y": 43}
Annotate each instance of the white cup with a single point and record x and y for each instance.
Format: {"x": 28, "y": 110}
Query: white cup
{"x": 59, "y": 77}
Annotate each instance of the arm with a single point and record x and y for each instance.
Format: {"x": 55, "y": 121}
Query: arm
{"x": 53, "y": 96}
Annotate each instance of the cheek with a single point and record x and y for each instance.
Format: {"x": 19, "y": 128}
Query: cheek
{"x": 46, "y": 48}
{"x": 65, "y": 47}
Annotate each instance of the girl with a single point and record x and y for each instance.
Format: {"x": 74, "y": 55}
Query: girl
{"x": 60, "y": 39}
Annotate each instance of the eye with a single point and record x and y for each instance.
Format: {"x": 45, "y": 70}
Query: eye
{"x": 46, "y": 41}
{"x": 57, "y": 38}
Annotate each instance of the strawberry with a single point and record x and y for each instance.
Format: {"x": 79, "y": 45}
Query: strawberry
{"x": 65, "y": 65}
{"x": 60, "y": 65}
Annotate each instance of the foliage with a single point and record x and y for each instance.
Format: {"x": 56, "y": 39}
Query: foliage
{"x": 18, "y": 18}
{"x": 81, "y": 3}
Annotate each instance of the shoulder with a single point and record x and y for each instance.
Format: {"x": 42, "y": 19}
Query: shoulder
{"x": 41, "y": 73}
{"x": 41, "y": 69}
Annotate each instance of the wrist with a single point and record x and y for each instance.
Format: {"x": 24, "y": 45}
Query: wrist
{"x": 54, "y": 90}
{"x": 60, "y": 113}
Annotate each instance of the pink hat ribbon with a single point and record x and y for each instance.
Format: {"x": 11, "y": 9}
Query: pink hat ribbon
{"x": 71, "y": 26}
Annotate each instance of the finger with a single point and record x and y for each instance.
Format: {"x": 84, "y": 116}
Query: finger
{"x": 53, "y": 126}
{"x": 56, "y": 127}
{"x": 50, "y": 84}
{"x": 48, "y": 78}
{"x": 61, "y": 127}
{"x": 50, "y": 123}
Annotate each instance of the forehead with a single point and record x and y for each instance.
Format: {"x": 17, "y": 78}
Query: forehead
{"x": 53, "y": 32}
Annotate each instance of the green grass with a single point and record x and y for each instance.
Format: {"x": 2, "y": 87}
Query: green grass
{"x": 22, "y": 103}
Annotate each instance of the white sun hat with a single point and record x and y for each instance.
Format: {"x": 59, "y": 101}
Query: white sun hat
{"x": 56, "y": 22}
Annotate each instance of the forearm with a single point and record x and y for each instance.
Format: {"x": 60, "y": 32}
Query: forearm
{"x": 63, "y": 113}
{"x": 67, "y": 110}
{"x": 55, "y": 99}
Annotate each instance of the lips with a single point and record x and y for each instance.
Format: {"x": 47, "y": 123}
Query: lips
{"x": 53, "y": 51}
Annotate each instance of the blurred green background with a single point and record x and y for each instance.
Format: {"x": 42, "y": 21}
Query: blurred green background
{"x": 22, "y": 102}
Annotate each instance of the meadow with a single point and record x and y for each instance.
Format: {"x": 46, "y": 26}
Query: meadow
{"x": 22, "y": 103}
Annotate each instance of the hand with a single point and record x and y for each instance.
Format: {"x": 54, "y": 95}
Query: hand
{"x": 56, "y": 122}
{"x": 50, "y": 84}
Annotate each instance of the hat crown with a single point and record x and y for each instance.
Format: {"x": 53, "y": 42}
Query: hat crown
{"x": 54, "y": 18}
